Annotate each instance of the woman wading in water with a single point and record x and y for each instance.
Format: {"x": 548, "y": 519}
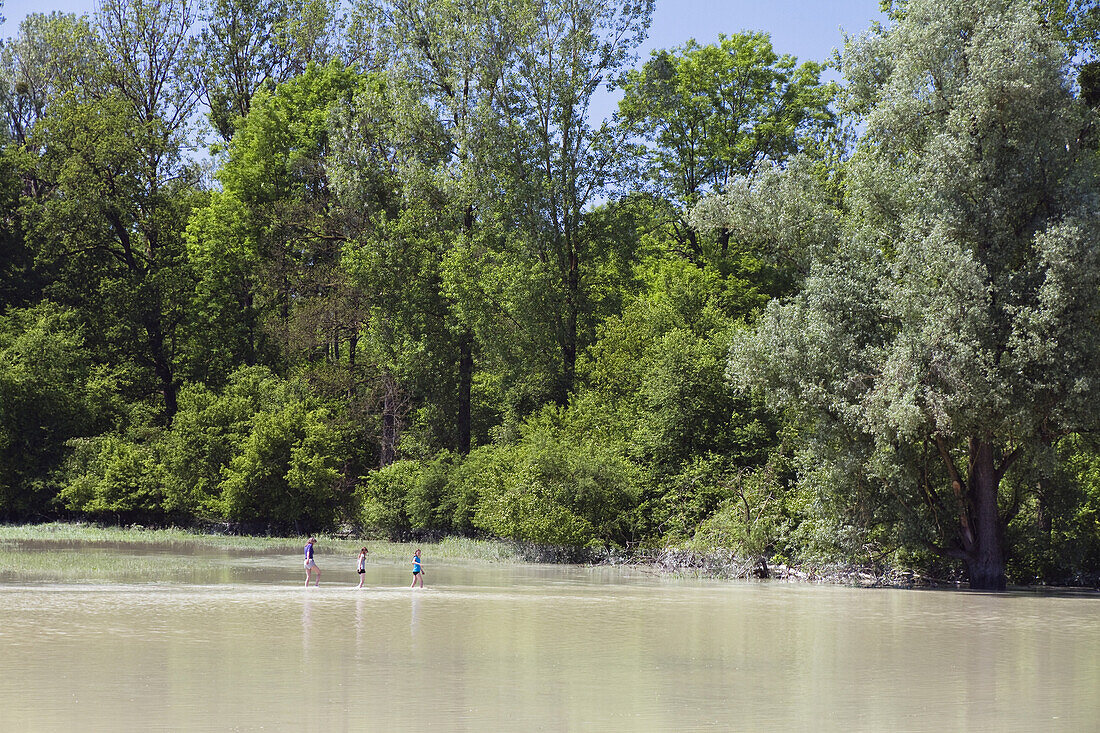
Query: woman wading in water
{"x": 311, "y": 566}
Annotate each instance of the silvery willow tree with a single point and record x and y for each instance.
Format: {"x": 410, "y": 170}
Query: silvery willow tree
{"x": 950, "y": 335}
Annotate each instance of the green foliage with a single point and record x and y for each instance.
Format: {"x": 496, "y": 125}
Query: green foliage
{"x": 554, "y": 486}
{"x": 208, "y": 433}
{"x": 248, "y": 45}
{"x": 428, "y": 502}
{"x": 783, "y": 218}
{"x": 660, "y": 366}
{"x": 922, "y": 348}
{"x": 711, "y": 114}
{"x": 714, "y": 112}
{"x": 20, "y": 283}
{"x": 562, "y": 483}
{"x": 256, "y": 453}
{"x": 222, "y": 250}
{"x": 287, "y": 470}
{"x": 385, "y": 496}
{"x": 276, "y": 152}
{"x": 109, "y": 477}
{"x": 1056, "y": 533}
{"x": 1071, "y": 518}
{"x": 417, "y": 495}
{"x": 50, "y": 392}
{"x": 750, "y": 518}
{"x": 686, "y": 499}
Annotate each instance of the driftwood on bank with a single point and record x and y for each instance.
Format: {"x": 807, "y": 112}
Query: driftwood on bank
{"x": 725, "y": 564}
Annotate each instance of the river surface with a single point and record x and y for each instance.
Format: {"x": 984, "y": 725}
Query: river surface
{"x": 237, "y": 645}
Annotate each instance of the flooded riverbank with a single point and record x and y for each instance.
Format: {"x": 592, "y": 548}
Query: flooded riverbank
{"x": 233, "y": 642}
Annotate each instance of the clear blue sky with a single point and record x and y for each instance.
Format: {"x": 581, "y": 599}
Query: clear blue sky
{"x": 808, "y": 29}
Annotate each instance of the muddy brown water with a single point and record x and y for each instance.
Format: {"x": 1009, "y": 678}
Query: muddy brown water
{"x": 241, "y": 646}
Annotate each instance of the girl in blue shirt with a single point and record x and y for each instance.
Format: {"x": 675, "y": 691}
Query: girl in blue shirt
{"x": 418, "y": 571}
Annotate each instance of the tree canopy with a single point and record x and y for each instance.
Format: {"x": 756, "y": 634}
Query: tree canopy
{"x": 951, "y": 333}
{"x": 294, "y": 264}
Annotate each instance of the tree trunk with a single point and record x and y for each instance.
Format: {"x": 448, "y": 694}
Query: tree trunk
{"x": 465, "y": 384}
{"x": 693, "y": 243}
{"x": 391, "y": 422}
{"x": 569, "y": 344}
{"x": 1044, "y": 517}
{"x": 724, "y": 241}
{"x": 465, "y": 365}
{"x": 162, "y": 366}
{"x": 985, "y": 558}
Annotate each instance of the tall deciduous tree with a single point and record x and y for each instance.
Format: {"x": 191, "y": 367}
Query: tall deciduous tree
{"x": 552, "y": 162}
{"x": 269, "y": 244}
{"x": 51, "y": 58}
{"x": 114, "y": 154}
{"x": 955, "y": 329}
{"x": 455, "y": 53}
{"x": 388, "y": 144}
{"x": 250, "y": 44}
{"x": 710, "y": 114}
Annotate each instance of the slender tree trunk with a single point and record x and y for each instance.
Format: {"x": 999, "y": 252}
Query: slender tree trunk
{"x": 569, "y": 345}
{"x": 465, "y": 385}
{"x": 985, "y": 559}
{"x": 162, "y": 366}
{"x": 724, "y": 241}
{"x": 692, "y": 240}
{"x": 1044, "y": 518}
{"x": 465, "y": 366}
{"x": 391, "y": 425}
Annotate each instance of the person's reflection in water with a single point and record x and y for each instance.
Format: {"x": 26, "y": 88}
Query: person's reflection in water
{"x": 358, "y": 623}
{"x": 307, "y": 621}
{"x": 415, "y": 613}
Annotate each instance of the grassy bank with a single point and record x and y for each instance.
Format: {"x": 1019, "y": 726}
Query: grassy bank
{"x": 452, "y": 548}
{"x": 89, "y": 552}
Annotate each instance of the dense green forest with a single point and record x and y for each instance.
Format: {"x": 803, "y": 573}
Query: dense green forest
{"x": 293, "y": 264}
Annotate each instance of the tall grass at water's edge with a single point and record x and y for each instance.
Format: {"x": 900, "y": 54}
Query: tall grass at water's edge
{"x": 451, "y": 548}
